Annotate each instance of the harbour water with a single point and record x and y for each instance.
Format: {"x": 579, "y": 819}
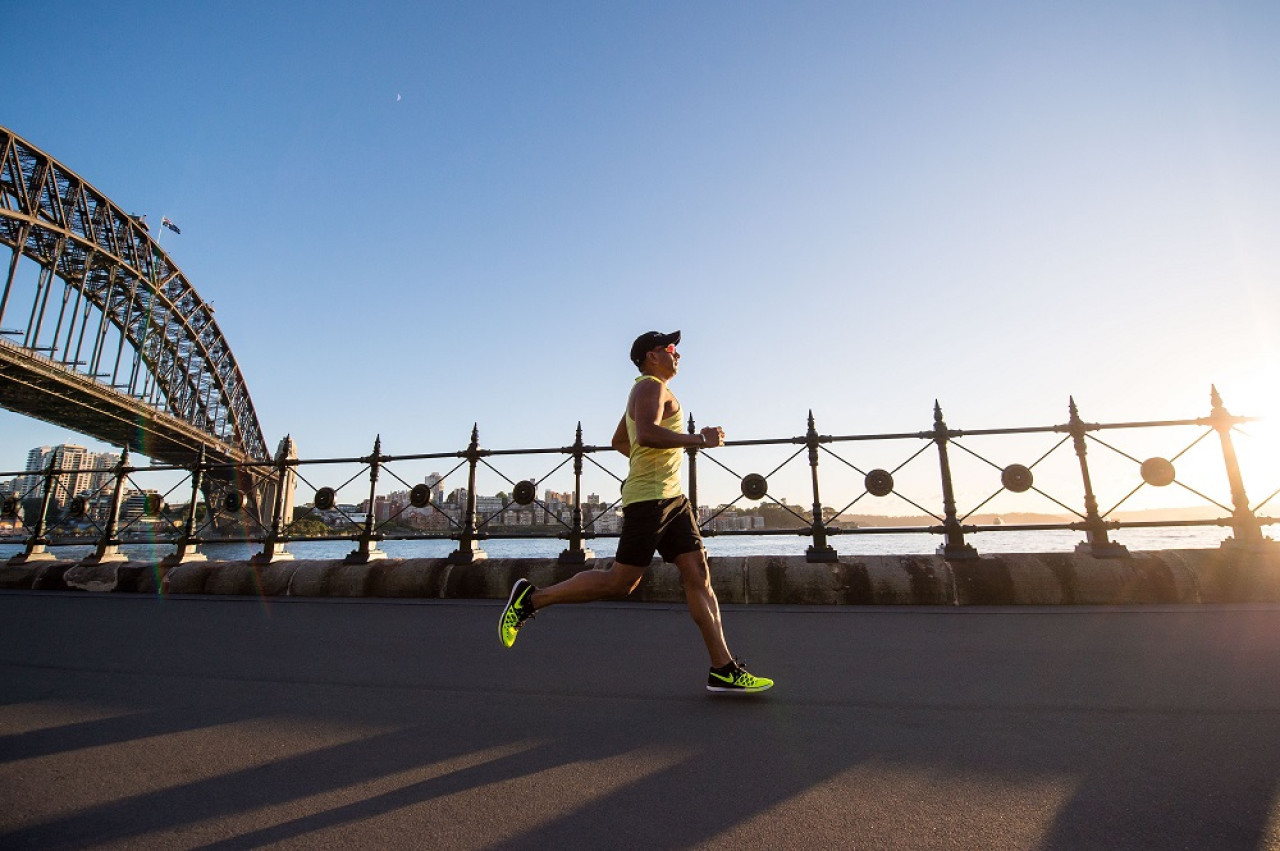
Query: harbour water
{"x": 1049, "y": 541}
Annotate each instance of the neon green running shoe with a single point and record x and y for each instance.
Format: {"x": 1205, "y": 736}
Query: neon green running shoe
{"x": 735, "y": 679}
{"x": 516, "y": 613}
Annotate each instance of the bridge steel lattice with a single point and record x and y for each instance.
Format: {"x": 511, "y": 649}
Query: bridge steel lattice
{"x": 112, "y": 340}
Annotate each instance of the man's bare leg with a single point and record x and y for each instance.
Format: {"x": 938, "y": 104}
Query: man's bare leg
{"x": 590, "y": 585}
{"x": 704, "y": 608}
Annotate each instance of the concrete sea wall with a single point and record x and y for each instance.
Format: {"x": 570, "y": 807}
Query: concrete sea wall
{"x": 1167, "y": 576}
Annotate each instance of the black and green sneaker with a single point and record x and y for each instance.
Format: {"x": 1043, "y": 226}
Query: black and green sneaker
{"x": 516, "y": 613}
{"x": 735, "y": 679}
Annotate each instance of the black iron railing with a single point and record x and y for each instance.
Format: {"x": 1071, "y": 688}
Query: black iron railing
{"x": 215, "y": 506}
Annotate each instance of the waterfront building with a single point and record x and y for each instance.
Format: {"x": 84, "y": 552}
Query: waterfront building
{"x": 432, "y": 519}
{"x": 602, "y": 523}
{"x": 134, "y": 505}
{"x": 435, "y": 482}
{"x": 37, "y": 460}
{"x": 555, "y": 500}
{"x": 383, "y": 508}
{"x": 102, "y": 474}
{"x": 87, "y": 472}
{"x": 488, "y": 505}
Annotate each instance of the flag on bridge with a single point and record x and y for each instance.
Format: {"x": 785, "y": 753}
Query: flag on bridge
{"x": 164, "y": 222}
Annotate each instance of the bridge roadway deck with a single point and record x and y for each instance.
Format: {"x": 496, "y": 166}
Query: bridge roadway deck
{"x": 130, "y": 721}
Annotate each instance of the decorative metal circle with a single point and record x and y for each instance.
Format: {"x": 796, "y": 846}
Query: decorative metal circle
{"x": 1157, "y": 472}
{"x": 525, "y": 492}
{"x": 420, "y": 496}
{"x": 232, "y": 502}
{"x": 11, "y": 504}
{"x": 879, "y": 483}
{"x": 325, "y": 499}
{"x": 1017, "y": 478}
{"x": 155, "y": 504}
{"x": 79, "y": 507}
{"x": 754, "y": 486}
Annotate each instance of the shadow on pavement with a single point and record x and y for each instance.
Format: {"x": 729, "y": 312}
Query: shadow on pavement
{"x": 1062, "y": 731}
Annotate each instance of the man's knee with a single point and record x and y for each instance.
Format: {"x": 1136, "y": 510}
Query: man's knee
{"x": 623, "y": 578}
{"x": 694, "y": 572}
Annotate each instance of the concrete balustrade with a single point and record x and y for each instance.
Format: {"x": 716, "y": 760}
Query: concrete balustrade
{"x": 1168, "y": 576}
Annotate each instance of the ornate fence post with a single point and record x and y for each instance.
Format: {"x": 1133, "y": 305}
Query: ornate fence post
{"x": 367, "y": 542}
{"x": 467, "y": 552}
{"x": 954, "y": 545}
{"x": 273, "y": 546}
{"x": 692, "y": 452}
{"x": 576, "y": 553}
{"x": 1244, "y": 523}
{"x": 1098, "y": 544}
{"x": 37, "y": 548}
{"x": 187, "y": 547}
{"x": 820, "y": 550}
{"x": 108, "y": 547}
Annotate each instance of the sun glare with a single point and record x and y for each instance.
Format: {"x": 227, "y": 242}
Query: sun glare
{"x": 1254, "y": 394}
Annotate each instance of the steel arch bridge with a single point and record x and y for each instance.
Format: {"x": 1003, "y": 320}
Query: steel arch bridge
{"x": 109, "y": 339}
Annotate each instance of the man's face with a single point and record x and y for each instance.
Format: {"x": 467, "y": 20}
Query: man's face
{"x": 666, "y": 358}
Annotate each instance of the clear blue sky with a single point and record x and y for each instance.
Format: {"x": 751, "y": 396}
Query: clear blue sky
{"x": 416, "y": 216}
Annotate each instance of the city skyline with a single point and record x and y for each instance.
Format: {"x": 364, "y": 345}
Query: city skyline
{"x": 398, "y": 513}
{"x": 1202, "y": 475}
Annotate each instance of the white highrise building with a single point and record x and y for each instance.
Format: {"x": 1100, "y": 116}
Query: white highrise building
{"x": 85, "y": 472}
{"x": 37, "y": 460}
{"x": 68, "y": 456}
{"x": 104, "y": 463}
{"x": 435, "y": 481}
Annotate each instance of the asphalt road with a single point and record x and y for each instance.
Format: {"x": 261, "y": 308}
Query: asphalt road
{"x": 136, "y": 722}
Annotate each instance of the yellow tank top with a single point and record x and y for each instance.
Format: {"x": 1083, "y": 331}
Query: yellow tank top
{"x": 654, "y": 473}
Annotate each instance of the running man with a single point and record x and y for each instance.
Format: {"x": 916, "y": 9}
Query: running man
{"x": 655, "y": 516}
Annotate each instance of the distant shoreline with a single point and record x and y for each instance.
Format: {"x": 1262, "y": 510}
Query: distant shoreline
{"x": 1150, "y": 515}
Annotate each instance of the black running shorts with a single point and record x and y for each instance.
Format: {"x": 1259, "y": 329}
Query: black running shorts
{"x": 665, "y": 525}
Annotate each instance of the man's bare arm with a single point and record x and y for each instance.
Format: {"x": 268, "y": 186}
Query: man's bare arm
{"x": 621, "y": 442}
{"x": 646, "y": 410}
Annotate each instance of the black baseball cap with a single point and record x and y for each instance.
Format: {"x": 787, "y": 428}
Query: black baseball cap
{"x": 650, "y": 340}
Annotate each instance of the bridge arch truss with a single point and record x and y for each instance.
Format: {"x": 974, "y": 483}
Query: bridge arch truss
{"x": 108, "y": 305}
